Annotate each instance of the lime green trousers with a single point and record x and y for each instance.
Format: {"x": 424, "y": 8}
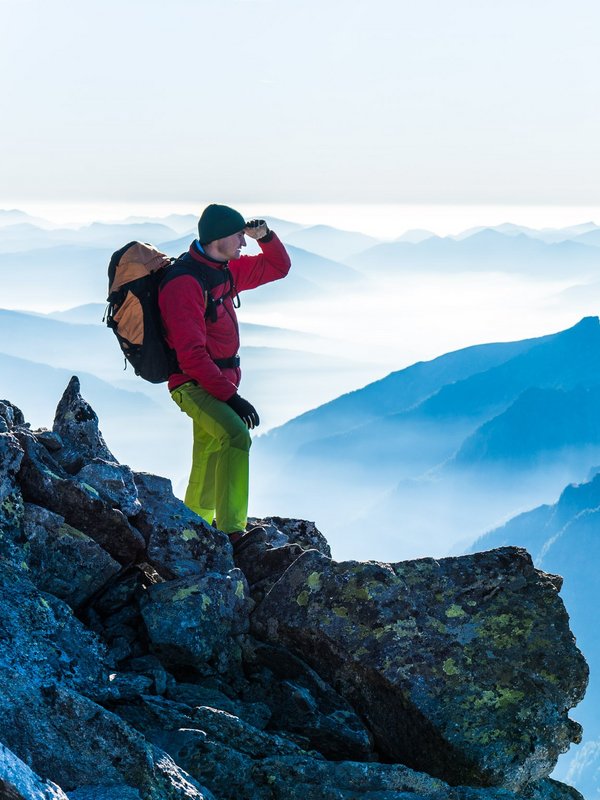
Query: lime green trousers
{"x": 218, "y": 485}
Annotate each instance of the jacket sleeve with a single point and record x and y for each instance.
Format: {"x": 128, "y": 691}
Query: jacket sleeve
{"x": 182, "y": 307}
{"x": 271, "y": 265}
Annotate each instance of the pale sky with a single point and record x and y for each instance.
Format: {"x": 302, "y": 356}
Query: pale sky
{"x": 300, "y": 101}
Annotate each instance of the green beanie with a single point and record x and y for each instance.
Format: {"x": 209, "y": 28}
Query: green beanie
{"x": 217, "y": 222}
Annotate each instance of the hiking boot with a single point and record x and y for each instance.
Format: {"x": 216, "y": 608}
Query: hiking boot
{"x": 242, "y": 539}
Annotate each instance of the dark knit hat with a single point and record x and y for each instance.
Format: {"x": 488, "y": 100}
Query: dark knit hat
{"x": 217, "y": 222}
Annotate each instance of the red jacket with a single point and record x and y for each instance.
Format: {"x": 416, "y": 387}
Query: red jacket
{"x": 197, "y": 341}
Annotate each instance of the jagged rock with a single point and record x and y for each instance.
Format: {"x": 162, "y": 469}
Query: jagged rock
{"x": 255, "y": 713}
{"x": 76, "y": 423}
{"x": 46, "y": 720}
{"x": 76, "y": 742}
{"x": 11, "y": 456}
{"x": 264, "y": 563}
{"x": 44, "y": 482}
{"x": 11, "y": 416}
{"x": 303, "y": 705}
{"x": 114, "y": 483}
{"x": 150, "y": 668}
{"x": 179, "y": 541}
{"x": 19, "y": 782}
{"x": 62, "y": 560}
{"x": 450, "y": 678}
{"x": 282, "y": 531}
{"x": 51, "y": 441}
{"x": 119, "y": 792}
{"x": 47, "y": 643}
{"x": 209, "y": 742}
{"x": 193, "y": 621}
{"x": 430, "y": 657}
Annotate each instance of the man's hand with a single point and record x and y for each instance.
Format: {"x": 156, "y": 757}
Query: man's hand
{"x": 256, "y": 229}
{"x": 245, "y": 411}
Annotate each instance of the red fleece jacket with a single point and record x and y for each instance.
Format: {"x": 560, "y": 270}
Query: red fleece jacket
{"x": 197, "y": 341}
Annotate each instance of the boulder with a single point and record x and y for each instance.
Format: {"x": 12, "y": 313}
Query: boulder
{"x": 62, "y": 560}
{"x": 44, "y": 482}
{"x": 19, "y": 782}
{"x": 11, "y": 455}
{"x": 303, "y": 706}
{"x": 464, "y": 667}
{"x": 179, "y": 542}
{"x": 194, "y": 621}
{"x": 114, "y": 483}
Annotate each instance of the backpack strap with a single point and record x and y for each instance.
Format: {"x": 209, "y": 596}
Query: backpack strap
{"x": 208, "y": 278}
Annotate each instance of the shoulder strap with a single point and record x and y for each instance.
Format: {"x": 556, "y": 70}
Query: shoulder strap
{"x": 208, "y": 278}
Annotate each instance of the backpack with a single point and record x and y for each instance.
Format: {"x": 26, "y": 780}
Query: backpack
{"x": 135, "y": 274}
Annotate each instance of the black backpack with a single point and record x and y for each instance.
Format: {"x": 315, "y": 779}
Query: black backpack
{"x": 135, "y": 274}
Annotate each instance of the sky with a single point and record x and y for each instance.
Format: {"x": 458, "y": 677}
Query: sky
{"x": 320, "y": 101}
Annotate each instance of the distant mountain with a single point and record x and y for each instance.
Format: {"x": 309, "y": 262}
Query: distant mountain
{"x": 540, "y": 424}
{"x": 180, "y": 223}
{"x": 415, "y": 236}
{"x": 15, "y": 217}
{"x": 393, "y": 443}
{"x": 330, "y": 242}
{"x": 88, "y": 314}
{"x": 25, "y": 236}
{"x": 591, "y": 237}
{"x": 60, "y": 344}
{"x": 548, "y": 235}
{"x": 564, "y": 539}
{"x": 468, "y": 384}
{"x": 483, "y": 251}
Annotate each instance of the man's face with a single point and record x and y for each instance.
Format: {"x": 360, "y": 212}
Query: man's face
{"x": 229, "y": 247}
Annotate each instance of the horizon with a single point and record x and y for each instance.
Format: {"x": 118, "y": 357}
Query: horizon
{"x": 380, "y": 220}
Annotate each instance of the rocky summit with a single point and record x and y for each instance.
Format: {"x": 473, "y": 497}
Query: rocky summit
{"x": 140, "y": 661}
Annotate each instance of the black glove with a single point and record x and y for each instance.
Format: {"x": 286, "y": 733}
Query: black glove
{"x": 257, "y": 229}
{"x": 245, "y": 410}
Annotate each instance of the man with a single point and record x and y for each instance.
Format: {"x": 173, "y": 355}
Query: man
{"x": 206, "y": 383}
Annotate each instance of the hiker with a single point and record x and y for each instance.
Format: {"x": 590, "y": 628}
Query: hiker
{"x": 206, "y": 383}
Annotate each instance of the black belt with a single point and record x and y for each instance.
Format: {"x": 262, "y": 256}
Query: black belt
{"x": 227, "y": 363}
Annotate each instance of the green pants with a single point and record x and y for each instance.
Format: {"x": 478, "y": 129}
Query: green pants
{"x": 218, "y": 485}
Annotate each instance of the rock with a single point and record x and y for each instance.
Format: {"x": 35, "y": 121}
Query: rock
{"x": 47, "y": 643}
{"x": 114, "y": 483}
{"x": 44, "y": 482}
{"x": 463, "y": 668}
{"x": 209, "y": 742}
{"x": 179, "y": 542}
{"x": 265, "y": 562}
{"x": 62, "y": 560}
{"x": 263, "y": 565}
{"x": 282, "y": 531}
{"x": 11, "y": 455}
{"x": 303, "y": 706}
{"x": 433, "y": 654}
{"x": 51, "y": 441}
{"x": 54, "y": 729}
{"x": 11, "y": 416}
{"x": 119, "y": 792}
{"x": 256, "y": 713}
{"x": 19, "y": 782}
{"x": 76, "y": 423}
{"x": 12, "y": 511}
{"x": 193, "y": 621}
